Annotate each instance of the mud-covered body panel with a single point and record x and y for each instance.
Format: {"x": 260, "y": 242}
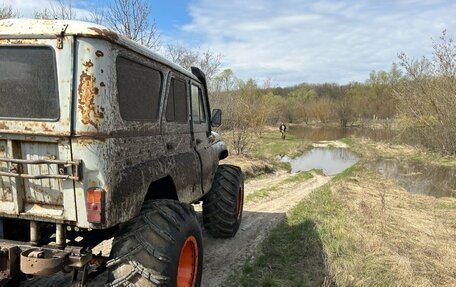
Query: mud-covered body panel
{"x": 124, "y": 157}
{"x": 121, "y": 157}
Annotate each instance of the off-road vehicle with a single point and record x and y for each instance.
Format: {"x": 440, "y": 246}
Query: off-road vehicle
{"x": 100, "y": 137}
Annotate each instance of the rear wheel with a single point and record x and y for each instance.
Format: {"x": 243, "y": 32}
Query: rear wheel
{"x": 222, "y": 206}
{"x": 160, "y": 247}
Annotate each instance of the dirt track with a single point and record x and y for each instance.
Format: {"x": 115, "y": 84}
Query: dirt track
{"x": 223, "y": 256}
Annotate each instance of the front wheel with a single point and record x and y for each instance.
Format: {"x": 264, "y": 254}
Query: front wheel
{"x": 222, "y": 206}
{"x": 160, "y": 247}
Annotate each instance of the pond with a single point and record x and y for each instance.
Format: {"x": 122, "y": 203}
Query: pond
{"x": 416, "y": 177}
{"x": 330, "y": 160}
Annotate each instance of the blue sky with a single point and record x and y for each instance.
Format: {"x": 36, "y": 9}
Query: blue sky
{"x": 293, "y": 41}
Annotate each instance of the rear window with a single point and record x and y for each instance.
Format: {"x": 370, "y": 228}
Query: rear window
{"x": 28, "y": 83}
{"x": 139, "y": 90}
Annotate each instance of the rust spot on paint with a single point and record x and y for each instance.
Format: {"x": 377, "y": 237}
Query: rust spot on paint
{"x": 90, "y": 113}
{"x": 110, "y": 35}
{"x": 88, "y": 64}
{"x": 86, "y": 141}
{"x": 3, "y": 126}
{"x": 99, "y": 53}
{"x": 18, "y": 41}
{"x": 45, "y": 127}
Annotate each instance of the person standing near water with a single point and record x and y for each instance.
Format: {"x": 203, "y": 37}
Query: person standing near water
{"x": 283, "y": 130}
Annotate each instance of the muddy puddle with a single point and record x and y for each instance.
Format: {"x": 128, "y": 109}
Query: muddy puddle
{"x": 330, "y": 160}
{"x": 416, "y": 177}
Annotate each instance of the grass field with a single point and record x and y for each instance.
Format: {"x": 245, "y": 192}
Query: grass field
{"x": 360, "y": 230}
{"x": 270, "y": 145}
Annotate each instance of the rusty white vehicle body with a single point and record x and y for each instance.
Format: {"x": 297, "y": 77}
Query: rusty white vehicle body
{"x": 90, "y": 129}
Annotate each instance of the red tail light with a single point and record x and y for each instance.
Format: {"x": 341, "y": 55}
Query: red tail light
{"x": 95, "y": 199}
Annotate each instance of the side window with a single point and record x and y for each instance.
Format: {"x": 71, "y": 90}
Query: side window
{"x": 198, "y": 112}
{"x": 139, "y": 90}
{"x": 176, "y": 108}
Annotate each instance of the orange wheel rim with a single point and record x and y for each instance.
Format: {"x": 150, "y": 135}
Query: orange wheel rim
{"x": 188, "y": 263}
{"x": 239, "y": 201}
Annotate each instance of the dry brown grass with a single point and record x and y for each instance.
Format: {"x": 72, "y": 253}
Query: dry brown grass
{"x": 250, "y": 166}
{"x": 398, "y": 238}
{"x": 369, "y": 149}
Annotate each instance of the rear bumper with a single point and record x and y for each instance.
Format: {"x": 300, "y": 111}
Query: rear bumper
{"x": 18, "y": 257}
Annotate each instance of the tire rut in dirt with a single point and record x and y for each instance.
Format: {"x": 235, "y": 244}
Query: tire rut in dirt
{"x": 222, "y": 206}
{"x": 147, "y": 250}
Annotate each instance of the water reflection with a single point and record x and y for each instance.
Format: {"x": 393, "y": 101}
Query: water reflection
{"x": 416, "y": 177}
{"x": 334, "y": 133}
{"x": 331, "y": 160}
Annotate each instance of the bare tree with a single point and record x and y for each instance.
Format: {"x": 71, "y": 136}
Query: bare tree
{"x": 97, "y": 16}
{"x": 61, "y": 10}
{"x": 131, "y": 19}
{"x": 225, "y": 81}
{"x": 207, "y": 61}
{"x": 427, "y": 97}
{"x": 6, "y": 11}
{"x": 182, "y": 56}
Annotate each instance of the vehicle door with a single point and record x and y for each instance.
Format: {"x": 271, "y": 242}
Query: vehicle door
{"x": 186, "y": 171}
{"x": 202, "y": 135}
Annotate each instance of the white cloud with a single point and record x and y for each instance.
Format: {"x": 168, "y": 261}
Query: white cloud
{"x": 293, "y": 41}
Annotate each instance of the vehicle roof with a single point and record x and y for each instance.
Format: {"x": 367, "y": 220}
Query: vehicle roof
{"x": 39, "y": 28}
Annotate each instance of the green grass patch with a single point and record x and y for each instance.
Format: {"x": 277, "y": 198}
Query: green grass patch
{"x": 299, "y": 177}
{"x": 270, "y": 146}
{"x": 346, "y": 173}
{"x": 347, "y": 141}
{"x": 293, "y": 253}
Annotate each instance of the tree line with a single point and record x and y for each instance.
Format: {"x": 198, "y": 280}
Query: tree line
{"x": 249, "y": 106}
{"x": 417, "y": 95}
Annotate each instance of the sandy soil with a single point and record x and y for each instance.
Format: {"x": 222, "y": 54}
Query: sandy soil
{"x": 223, "y": 256}
{"x": 334, "y": 144}
{"x": 273, "y": 179}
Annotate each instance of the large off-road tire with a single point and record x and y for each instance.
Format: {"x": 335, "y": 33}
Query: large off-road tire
{"x": 160, "y": 247}
{"x": 222, "y": 206}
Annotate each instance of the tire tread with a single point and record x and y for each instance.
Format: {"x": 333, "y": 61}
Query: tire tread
{"x": 219, "y": 205}
{"x": 164, "y": 218}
